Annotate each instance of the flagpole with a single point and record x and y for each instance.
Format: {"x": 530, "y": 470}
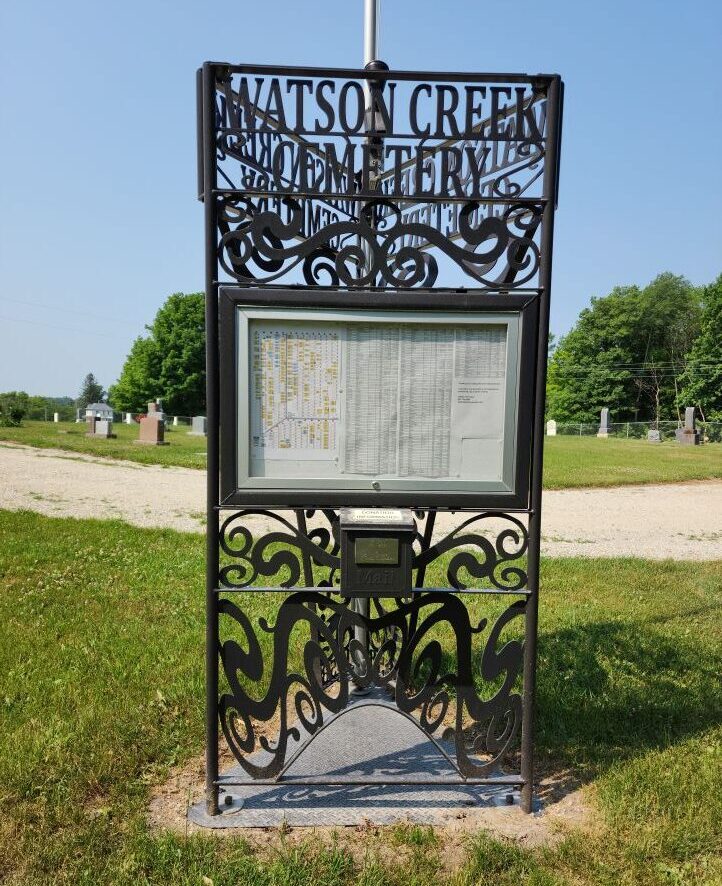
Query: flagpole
{"x": 371, "y": 26}
{"x": 371, "y": 31}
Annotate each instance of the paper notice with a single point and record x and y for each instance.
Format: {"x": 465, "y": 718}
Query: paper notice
{"x": 416, "y": 400}
{"x": 295, "y": 375}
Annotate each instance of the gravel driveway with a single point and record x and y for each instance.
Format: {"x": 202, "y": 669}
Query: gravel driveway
{"x": 682, "y": 521}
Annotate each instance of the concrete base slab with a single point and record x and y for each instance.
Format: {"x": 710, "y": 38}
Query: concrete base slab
{"x": 364, "y": 743}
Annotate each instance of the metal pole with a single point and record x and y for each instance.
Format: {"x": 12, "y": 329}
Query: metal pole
{"x": 532, "y": 603}
{"x": 371, "y": 31}
{"x": 361, "y": 604}
{"x": 209, "y": 204}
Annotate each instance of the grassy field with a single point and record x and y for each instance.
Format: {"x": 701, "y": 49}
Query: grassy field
{"x": 587, "y": 461}
{"x": 101, "y": 663}
{"x": 184, "y": 450}
{"x": 569, "y": 461}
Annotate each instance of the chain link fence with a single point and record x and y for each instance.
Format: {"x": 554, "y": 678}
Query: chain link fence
{"x": 710, "y": 431}
{"x": 171, "y": 421}
{"x": 70, "y": 413}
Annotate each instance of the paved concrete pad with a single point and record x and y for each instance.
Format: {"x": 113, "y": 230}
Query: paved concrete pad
{"x": 363, "y": 742}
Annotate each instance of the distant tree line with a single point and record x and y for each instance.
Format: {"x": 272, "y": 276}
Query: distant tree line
{"x": 17, "y": 405}
{"x": 645, "y": 353}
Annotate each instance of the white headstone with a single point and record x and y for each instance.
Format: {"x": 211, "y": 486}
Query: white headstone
{"x": 103, "y": 428}
{"x": 551, "y": 428}
{"x": 175, "y": 421}
{"x": 654, "y": 437}
{"x": 604, "y": 423}
{"x": 56, "y": 417}
{"x": 688, "y": 435}
{"x": 129, "y": 418}
{"x": 198, "y": 427}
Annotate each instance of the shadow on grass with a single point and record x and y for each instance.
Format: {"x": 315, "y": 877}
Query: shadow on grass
{"x": 608, "y": 691}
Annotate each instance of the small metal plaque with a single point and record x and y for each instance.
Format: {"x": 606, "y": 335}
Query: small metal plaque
{"x": 391, "y": 518}
{"x": 376, "y": 515}
{"x": 380, "y": 551}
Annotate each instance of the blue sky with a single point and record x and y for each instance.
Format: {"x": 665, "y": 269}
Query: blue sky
{"x": 98, "y": 219}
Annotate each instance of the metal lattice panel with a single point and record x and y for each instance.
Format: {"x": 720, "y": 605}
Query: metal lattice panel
{"x": 340, "y": 181}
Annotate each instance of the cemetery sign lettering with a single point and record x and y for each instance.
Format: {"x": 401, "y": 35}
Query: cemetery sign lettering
{"x": 378, "y": 275}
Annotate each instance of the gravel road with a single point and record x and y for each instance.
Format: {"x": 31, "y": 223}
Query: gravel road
{"x": 682, "y": 521}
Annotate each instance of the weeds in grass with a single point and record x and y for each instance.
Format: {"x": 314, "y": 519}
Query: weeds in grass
{"x": 101, "y": 693}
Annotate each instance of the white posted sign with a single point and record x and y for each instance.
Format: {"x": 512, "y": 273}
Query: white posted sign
{"x": 355, "y": 400}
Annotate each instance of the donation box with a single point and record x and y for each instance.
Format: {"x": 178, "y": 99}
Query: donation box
{"x": 376, "y": 551}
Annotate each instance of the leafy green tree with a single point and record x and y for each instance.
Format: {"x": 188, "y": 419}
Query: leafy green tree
{"x": 13, "y": 408}
{"x": 179, "y": 334}
{"x": 138, "y": 382}
{"x": 702, "y": 378}
{"x": 670, "y": 322}
{"x": 170, "y": 362}
{"x": 625, "y": 352}
{"x": 64, "y": 406}
{"x": 588, "y": 369}
{"x": 91, "y": 392}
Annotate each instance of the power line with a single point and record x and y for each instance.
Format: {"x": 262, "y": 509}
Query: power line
{"x": 55, "y": 326}
{"x": 63, "y": 309}
{"x": 642, "y": 371}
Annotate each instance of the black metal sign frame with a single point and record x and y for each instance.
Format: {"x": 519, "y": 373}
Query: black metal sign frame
{"x": 316, "y": 184}
{"x": 460, "y": 303}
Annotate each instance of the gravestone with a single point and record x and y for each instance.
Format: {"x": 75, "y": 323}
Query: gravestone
{"x": 155, "y": 410}
{"x": 551, "y": 428}
{"x": 104, "y": 428}
{"x": 198, "y": 426}
{"x": 654, "y": 437}
{"x": 152, "y": 432}
{"x": 688, "y": 435}
{"x": 56, "y": 417}
{"x": 129, "y": 418}
{"x": 175, "y": 421}
{"x": 99, "y": 427}
{"x": 604, "y": 424}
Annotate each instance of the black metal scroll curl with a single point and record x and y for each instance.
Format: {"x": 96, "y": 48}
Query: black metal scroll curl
{"x": 404, "y": 658}
{"x": 291, "y": 547}
{"x": 310, "y": 555}
{"x": 260, "y": 246}
{"x": 497, "y": 560}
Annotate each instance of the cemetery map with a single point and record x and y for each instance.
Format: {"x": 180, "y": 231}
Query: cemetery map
{"x": 295, "y": 391}
{"x": 377, "y": 399}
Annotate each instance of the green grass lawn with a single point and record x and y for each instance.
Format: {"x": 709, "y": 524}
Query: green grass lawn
{"x": 588, "y": 461}
{"x": 569, "y": 461}
{"x": 184, "y": 450}
{"x": 101, "y": 668}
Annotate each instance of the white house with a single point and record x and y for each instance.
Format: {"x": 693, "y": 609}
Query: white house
{"x": 99, "y": 410}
